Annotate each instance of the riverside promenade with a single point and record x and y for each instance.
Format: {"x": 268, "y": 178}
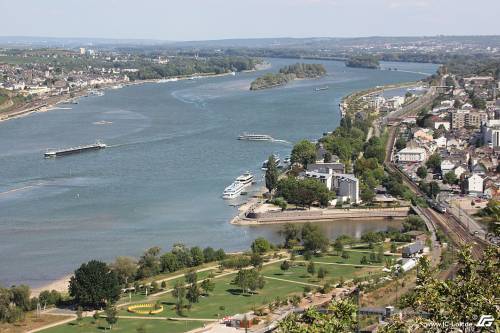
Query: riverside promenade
{"x": 319, "y": 215}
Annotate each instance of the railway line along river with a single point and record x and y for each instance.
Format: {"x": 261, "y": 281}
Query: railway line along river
{"x": 172, "y": 149}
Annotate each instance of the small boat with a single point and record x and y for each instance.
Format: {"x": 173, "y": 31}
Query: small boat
{"x": 255, "y": 137}
{"x": 277, "y": 162}
{"x": 321, "y": 88}
{"x": 245, "y": 179}
{"x": 233, "y": 190}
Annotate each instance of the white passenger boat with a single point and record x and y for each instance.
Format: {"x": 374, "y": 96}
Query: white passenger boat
{"x": 233, "y": 190}
{"x": 246, "y": 178}
{"x": 255, "y": 137}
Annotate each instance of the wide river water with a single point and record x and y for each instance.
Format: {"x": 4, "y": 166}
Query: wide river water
{"x": 172, "y": 151}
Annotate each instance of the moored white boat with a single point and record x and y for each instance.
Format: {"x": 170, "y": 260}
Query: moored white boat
{"x": 233, "y": 190}
{"x": 246, "y": 178}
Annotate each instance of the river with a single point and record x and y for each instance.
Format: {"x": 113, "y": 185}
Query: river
{"x": 172, "y": 151}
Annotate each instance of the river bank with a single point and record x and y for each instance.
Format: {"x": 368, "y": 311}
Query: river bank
{"x": 51, "y": 103}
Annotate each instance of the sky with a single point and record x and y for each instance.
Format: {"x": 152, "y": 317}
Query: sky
{"x": 179, "y": 20}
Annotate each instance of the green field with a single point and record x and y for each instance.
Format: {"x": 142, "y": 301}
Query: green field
{"x": 227, "y": 299}
{"x": 126, "y": 326}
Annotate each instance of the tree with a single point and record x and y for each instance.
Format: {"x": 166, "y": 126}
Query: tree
{"x": 261, "y": 245}
{"x": 285, "y": 266}
{"x": 345, "y": 255}
{"x": 79, "y": 315}
{"x": 338, "y": 317}
{"x": 94, "y": 284}
{"x": 434, "y": 162}
{"x": 322, "y": 273}
{"x": 197, "y": 257}
{"x": 422, "y": 172}
{"x": 434, "y": 189}
{"x": 271, "y": 174}
{"x": 292, "y": 235}
{"x": 400, "y": 144}
{"x": 394, "y": 247}
{"x": 364, "y": 261}
{"x": 367, "y": 194}
{"x": 450, "y": 178}
{"x": 125, "y": 269}
{"x": 191, "y": 276}
{"x": 149, "y": 263}
{"x": 178, "y": 292}
{"x": 207, "y": 285}
{"x": 169, "y": 262}
{"x": 313, "y": 238}
{"x": 311, "y": 269}
{"x": 470, "y": 294}
{"x": 193, "y": 293}
{"x": 209, "y": 254}
{"x": 303, "y": 152}
{"x": 249, "y": 280}
{"x": 20, "y": 296}
{"x": 111, "y": 315}
{"x": 338, "y": 246}
{"x": 256, "y": 260}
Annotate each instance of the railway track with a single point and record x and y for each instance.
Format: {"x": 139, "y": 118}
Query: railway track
{"x": 448, "y": 223}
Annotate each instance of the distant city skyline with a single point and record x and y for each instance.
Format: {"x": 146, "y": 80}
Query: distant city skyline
{"x": 221, "y": 19}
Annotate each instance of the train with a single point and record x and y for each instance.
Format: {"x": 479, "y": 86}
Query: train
{"x": 436, "y": 206}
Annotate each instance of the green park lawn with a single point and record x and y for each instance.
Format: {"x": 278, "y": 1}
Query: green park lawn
{"x": 298, "y": 273}
{"x": 354, "y": 258}
{"x": 126, "y": 326}
{"x": 229, "y": 297}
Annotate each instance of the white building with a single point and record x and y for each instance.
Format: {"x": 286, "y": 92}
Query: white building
{"x": 447, "y": 166}
{"x": 475, "y": 184}
{"x": 441, "y": 142}
{"x": 491, "y": 133}
{"x": 82, "y": 50}
{"x": 459, "y": 170}
{"x": 347, "y": 187}
{"x": 324, "y": 176}
{"x": 411, "y": 155}
{"x": 445, "y": 124}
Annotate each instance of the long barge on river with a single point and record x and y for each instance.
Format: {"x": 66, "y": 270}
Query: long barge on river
{"x": 50, "y": 153}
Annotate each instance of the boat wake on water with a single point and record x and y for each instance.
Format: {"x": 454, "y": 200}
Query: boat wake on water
{"x": 260, "y": 137}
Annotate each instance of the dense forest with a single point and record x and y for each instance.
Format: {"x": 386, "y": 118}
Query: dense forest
{"x": 189, "y": 66}
{"x": 287, "y": 74}
{"x": 366, "y": 61}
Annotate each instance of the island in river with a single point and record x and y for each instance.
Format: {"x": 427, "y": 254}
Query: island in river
{"x": 367, "y": 61}
{"x": 288, "y": 74}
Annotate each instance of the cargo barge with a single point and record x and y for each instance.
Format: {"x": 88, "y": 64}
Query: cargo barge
{"x": 74, "y": 150}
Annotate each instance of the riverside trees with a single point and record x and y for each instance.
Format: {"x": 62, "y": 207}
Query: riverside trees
{"x": 249, "y": 280}
{"x": 94, "y": 285}
{"x": 303, "y": 192}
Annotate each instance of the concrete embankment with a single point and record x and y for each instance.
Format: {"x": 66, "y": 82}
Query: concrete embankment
{"x": 322, "y": 215}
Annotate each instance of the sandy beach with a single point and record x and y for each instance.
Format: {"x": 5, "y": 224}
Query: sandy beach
{"x": 60, "y": 285}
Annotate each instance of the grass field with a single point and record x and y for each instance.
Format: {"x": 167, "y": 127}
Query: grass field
{"x": 227, "y": 299}
{"x": 126, "y": 326}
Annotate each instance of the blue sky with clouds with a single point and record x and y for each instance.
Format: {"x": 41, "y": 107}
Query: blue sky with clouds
{"x": 219, "y": 19}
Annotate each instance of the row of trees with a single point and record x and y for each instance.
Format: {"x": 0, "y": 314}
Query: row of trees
{"x": 16, "y": 301}
{"x": 153, "y": 262}
{"x": 180, "y": 66}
